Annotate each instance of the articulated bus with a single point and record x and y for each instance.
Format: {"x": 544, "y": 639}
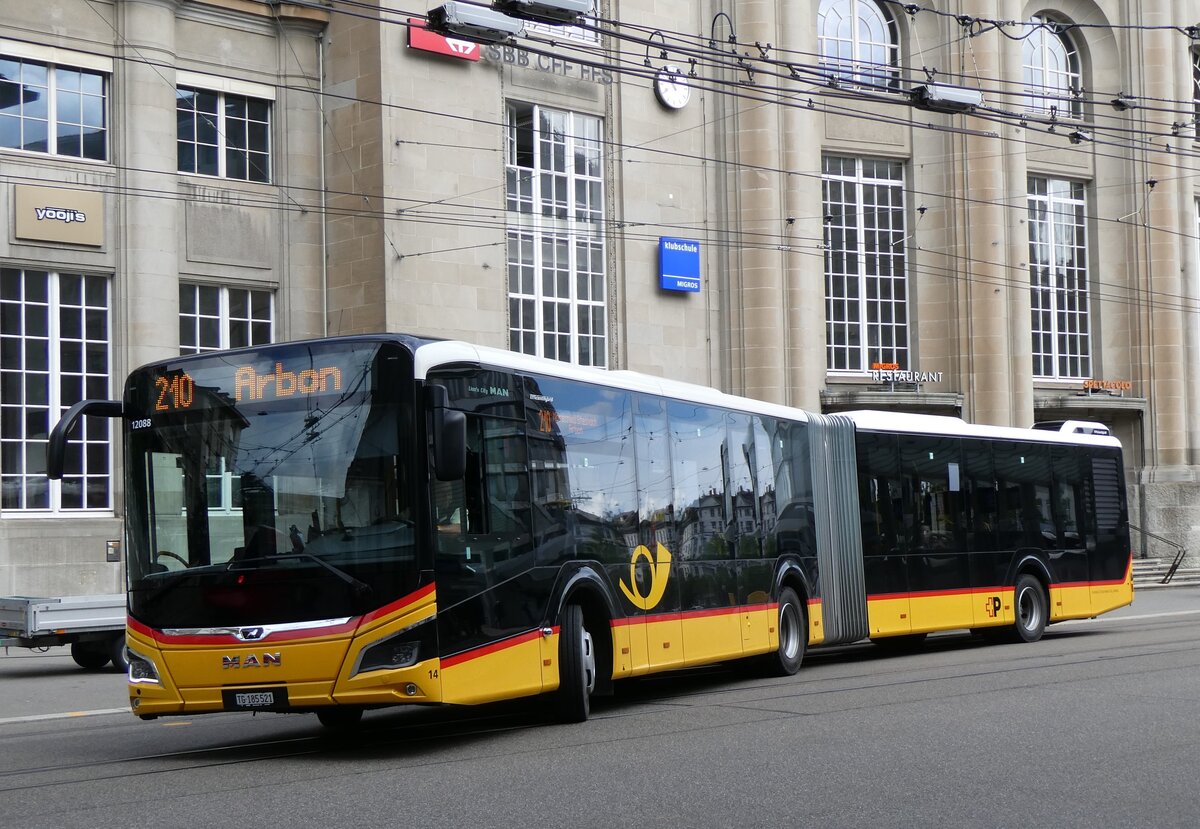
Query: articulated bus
{"x": 341, "y": 524}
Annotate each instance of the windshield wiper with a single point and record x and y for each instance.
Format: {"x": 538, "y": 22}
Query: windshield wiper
{"x": 361, "y": 588}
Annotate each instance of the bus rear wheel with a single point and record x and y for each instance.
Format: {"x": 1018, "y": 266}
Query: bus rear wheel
{"x": 793, "y": 635}
{"x": 1031, "y": 608}
{"x": 576, "y": 667}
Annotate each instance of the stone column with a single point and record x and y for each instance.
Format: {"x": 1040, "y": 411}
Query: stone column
{"x": 803, "y": 268}
{"x": 992, "y": 190}
{"x": 1166, "y": 205}
{"x": 760, "y": 222}
{"x": 146, "y": 288}
{"x": 299, "y": 166}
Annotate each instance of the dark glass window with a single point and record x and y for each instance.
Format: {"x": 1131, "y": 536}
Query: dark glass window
{"x": 223, "y": 134}
{"x": 933, "y": 508}
{"x": 583, "y": 466}
{"x": 980, "y": 501}
{"x": 701, "y": 507}
{"x": 1023, "y": 486}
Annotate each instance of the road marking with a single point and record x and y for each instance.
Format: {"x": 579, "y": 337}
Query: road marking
{"x": 64, "y": 716}
{"x": 1131, "y": 618}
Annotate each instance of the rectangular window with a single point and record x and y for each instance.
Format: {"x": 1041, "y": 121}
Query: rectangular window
{"x": 554, "y": 188}
{"x": 59, "y": 110}
{"x": 54, "y": 352}
{"x": 1058, "y": 280}
{"x": 866, "y": 285}
{"x": 223, "y": 134}
{"x": 212, "y": 318}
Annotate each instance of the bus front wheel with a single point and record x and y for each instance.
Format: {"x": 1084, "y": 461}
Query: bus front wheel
{"x": 576, "y": 667}
{"x": 793, "y": 635}
{"x": 340, "y": 718}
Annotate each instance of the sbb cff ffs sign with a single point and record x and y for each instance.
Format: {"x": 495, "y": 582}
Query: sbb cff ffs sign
{"x": 419, "y": 37}
{"x": 678, "y": 264}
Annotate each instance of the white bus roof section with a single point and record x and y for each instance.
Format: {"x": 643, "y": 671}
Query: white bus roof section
{"x": 431, "y": 356}
{"x": 904, "y": 422}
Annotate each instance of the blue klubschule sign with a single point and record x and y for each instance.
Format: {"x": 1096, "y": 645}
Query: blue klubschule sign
{"x": 678, "y": 264}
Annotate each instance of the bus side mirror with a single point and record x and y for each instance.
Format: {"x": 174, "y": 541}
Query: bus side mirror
{"x": 449, "y": 436}
{"x": 57, "y": 447}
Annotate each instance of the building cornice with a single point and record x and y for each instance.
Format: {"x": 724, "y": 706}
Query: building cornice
{"x": 268, "y": 9}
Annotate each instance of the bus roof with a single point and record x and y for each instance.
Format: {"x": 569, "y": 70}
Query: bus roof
{"x": 431, "y": 355}
{"x": 906, "y": 423}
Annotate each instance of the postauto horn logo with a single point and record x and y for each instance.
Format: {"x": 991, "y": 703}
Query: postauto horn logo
{"x": 660, "y": 571}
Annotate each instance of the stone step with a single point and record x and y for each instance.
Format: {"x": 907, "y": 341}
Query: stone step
{"x": 1149, "y": 572}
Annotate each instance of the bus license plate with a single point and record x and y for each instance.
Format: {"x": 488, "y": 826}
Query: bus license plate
{"x": 255, "y": 699}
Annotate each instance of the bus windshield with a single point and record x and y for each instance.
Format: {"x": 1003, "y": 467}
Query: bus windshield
{"x": 272, "y": 486}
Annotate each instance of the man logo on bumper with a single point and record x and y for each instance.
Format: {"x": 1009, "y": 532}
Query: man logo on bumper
{"x": 253, "y": 660}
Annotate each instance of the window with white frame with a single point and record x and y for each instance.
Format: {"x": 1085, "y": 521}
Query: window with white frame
{"x": 213, "y": 317}
{"x": 554, "y": 187}
{"x": 54, "y": 352}
{"x": 866, "y": 285}
{"x": 223, "y": 133}
{"x": 53, "y": 109}
{"x": 1058, "y": 274}
{"x": 857, "y": 41}
{"x": 1051, "y": 67}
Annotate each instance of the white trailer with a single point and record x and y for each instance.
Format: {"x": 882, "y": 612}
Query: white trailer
{"x": 94, "y": 626}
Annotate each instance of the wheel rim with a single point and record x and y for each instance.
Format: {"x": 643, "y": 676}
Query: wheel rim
{"x": 587, "y": 660}
{"x": 789, "y": 631}
{"x": 1029, "y": 609}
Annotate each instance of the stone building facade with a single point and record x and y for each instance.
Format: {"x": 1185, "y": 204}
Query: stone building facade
{"x": 843, "y": 243}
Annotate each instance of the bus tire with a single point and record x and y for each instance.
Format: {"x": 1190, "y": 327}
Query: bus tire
{"x": 118, "y": 654}
{"x": 576, "y": 667}
{"x": 793, "y": 635}
{"x": 340, "y": 718}
{"x": 91, "y": 656}
{"x": 1031, "y": 608}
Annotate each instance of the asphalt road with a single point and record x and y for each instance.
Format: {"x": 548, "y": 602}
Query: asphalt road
{"x": 1096, "y": 725}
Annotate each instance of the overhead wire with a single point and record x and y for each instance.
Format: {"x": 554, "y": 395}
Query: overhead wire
{"x": 738, "y": 65}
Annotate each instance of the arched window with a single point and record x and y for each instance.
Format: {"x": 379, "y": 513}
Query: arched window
{"x": 857, "y": 40}
{"x": 1051, "y": 66}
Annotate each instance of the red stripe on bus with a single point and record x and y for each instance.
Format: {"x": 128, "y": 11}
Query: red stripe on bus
{"x": 924, "y": 594}
{"x": 390, "y": 608}
{"x": 467, "y": 656}
{"x": 284, "y": 635}
{"x": 698, "y": 614}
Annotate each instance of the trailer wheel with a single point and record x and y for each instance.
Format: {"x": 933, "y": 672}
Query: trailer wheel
{"x": 91, "y": 656}
{"x": 117, "y": 653}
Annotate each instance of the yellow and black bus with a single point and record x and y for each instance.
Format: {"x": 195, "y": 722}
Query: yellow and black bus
{"x": 339, "y": 524}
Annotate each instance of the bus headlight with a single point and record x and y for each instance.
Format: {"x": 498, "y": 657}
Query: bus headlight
{"x": 390, "y": 653}
{"x": 142, "y": 670}
{"x": 402, "y": 649}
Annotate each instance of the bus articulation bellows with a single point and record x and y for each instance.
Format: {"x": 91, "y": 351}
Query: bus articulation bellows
{"x": 339, "y": 524}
